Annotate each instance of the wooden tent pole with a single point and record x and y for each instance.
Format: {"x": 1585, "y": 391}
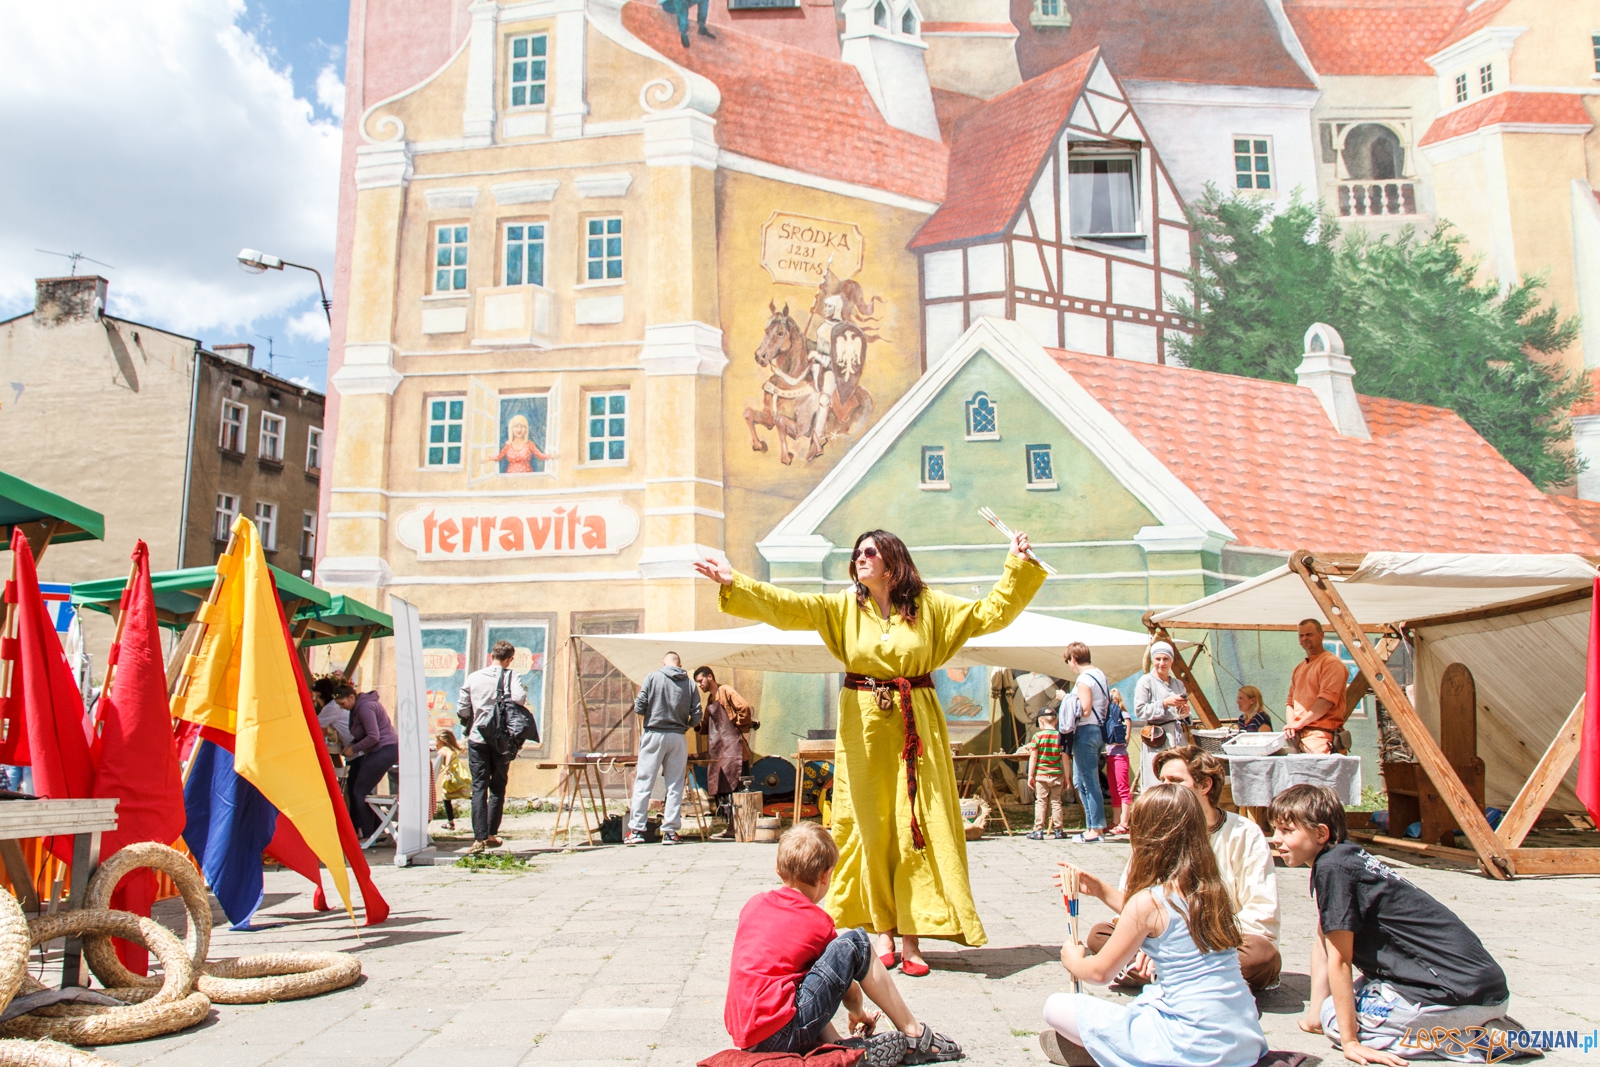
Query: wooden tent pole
{"x": 1536, "y": 792}
{"x": 1359, "y": 686}
{"x": 1491, "y": 850}
{"x": 1197, "y": 696}
{"x": 180, "y": 684}
{"x": 8, "y": 631}
{"x": 116, "y": 639}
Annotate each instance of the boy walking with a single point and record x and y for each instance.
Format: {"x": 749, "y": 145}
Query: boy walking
{"x": 1045, "y": 777}
{"x": 1421, "y": 968}
{"x": 790, "y": 974}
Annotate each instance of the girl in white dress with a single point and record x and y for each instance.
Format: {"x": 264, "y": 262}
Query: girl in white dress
{"x": 1176, "y": 908}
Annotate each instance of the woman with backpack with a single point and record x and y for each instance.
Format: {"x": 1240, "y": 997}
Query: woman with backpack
{"x": 1092, "y": 694}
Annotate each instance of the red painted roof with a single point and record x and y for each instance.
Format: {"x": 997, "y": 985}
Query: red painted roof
{"x": 1265, "y": 459}
{"x": 1207, "y": 42}
{"x": 1565, "y": 109}
{"x": 1584, "y": 513}
{"x": 996, "y": 152}
{"x": 1473, "y": 21}
{"x": 1372, "y": 36}
{"x": 796, "y": 109}
{"x": 951, "y": 107}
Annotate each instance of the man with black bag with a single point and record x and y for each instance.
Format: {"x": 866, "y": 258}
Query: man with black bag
{"x": 493, "y": 709}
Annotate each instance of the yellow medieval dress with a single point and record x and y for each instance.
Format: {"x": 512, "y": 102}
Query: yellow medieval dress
{"x": 883, "y": 881}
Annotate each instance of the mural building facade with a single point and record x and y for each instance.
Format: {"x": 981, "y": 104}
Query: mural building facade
{"x": 613, "y": 296}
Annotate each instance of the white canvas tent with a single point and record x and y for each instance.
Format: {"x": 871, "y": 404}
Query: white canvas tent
{"x": 1032, "y": 643}
{"x": 1518, "y": 623}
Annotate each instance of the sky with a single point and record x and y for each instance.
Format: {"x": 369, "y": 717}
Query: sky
{"x": 160, "y": 139}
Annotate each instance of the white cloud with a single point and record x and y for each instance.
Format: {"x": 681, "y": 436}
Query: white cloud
{"x": 159, "y": 138}
{"x": 306, "y": 383}
{"x": 310, "y": 325}
{"x": 330, "y": 90}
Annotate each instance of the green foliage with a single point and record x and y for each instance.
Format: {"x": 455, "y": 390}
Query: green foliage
{"x": 1415, "y": 323}
{"x": 501, "y": 862}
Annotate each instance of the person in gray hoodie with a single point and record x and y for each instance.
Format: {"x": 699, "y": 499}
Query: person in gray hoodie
{"x": 670, "y": 704}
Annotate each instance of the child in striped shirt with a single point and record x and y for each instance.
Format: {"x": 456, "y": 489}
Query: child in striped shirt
{"x": 1045, "y": 777}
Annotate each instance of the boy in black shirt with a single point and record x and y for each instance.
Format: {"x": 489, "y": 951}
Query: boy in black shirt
{"x": 1421, "y": 967}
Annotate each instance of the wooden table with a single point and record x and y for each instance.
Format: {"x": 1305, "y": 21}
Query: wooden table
{"x": 965, "y": 764}
{"x": 84, "y": 821}
{"x": 585, "y": 791}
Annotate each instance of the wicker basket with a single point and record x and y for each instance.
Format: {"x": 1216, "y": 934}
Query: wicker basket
{"x": 1211, "y": 740}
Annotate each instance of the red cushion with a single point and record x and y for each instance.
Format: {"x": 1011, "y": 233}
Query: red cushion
{"x": 821, "y": 1056}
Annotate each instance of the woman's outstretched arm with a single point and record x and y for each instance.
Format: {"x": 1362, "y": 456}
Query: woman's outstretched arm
{"x": 746, "y": 598}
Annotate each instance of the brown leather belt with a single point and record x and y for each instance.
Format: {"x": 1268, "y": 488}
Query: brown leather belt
{"x": 885, "y": 690}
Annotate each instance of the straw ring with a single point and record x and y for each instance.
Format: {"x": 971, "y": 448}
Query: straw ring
{"x": 97, "y": 947}
{"x": 17, "y": 1053}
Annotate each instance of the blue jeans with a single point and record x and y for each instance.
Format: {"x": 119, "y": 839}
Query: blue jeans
{"x": 819, "y": 994}
{"x": 1087, "y": 742}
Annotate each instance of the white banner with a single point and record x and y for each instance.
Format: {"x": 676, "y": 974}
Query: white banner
{"x": 411, "y": 723}
{"x": 495, "y": 530}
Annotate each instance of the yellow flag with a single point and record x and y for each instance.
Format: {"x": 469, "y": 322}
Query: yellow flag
{"x": 241, "y": 679}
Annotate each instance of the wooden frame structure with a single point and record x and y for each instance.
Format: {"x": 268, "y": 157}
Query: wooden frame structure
{"x": 1497, "y": 852}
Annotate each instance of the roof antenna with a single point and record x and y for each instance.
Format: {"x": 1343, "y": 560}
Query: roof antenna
{"x": 267, "y": 339}
{"x": 75, "y": 257}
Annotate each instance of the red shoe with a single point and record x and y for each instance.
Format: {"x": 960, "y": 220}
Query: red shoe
{"x": 889, "y": 959}
{"x": 913, "y": 969}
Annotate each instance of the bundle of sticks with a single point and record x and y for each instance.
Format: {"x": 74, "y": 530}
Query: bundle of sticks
{"x": 1069, "y": 897}
{"x": 994, "y": 520}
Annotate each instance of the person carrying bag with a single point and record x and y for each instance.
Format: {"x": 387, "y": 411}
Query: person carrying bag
{"x": 493, "y": 710}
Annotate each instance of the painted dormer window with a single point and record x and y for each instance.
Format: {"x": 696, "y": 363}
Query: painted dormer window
{"x": 880, "y": 16}
{"x": 1050, "y": 13}
{"x": 1486, "y": 79}
{"x": 525, "y": 74}
{"x": 983, "y": 420}
{"x": 1102, "y": 191}
{"x": 908, "y": 23}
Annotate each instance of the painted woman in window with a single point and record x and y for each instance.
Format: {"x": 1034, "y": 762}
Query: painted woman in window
{"x": 519, "y": 452}
{"x": 897, "y": 816}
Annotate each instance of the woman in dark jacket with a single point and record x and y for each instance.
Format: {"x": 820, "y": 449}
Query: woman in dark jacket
{"x": 373, "y": 751}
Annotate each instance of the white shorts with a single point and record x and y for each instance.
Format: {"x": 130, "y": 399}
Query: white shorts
{"x": 1390, "y": 1022}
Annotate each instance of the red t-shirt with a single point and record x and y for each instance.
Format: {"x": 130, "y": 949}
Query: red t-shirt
{"x": 781, "y": 934}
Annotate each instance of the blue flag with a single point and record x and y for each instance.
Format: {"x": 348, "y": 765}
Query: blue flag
{"x": 229, "y": 824}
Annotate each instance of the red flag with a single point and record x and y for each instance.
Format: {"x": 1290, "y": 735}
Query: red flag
{"x": 289, "y": 848}
{"x": 1589, "y": 742}
{"x": 137, "y": 758}
{"x": 45, "y": 709}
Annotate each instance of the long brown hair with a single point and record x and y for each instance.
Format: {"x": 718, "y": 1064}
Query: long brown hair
{"x": 1171, "y": 848}
{"x": 905, "y": 584}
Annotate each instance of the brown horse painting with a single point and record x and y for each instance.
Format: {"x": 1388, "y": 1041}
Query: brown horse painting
{"x": 789, "y": 396}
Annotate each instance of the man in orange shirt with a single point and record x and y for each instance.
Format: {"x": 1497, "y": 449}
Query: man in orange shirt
{"x": 1316, "y": 710}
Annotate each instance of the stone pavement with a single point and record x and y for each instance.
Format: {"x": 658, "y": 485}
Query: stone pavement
{"x": 619, "y": 955}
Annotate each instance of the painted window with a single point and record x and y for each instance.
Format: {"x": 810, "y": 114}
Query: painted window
{"x": 1594, "y": 40}
{"x": 308, "y": 535}
{"x": 271, "y": 444}
{"x": 1252, "y": 162}
{"x": 227, "y": 511}
{"x": 446, "y": 418}
{"x": 1486, "y": 79}
{"x": 1050, "y": 13}
{"x": 526, "y": 75}
{"x": 1100, "y": 190}
{"x": 880, "y": 16}
{"x": 908, "y": 22}
{"x": 233, "y": 417}
{"x": 1050, "y": 8}
{"x": 1041, "y": 470}
{"x": 1461, "y": 88}
{"x": 523, "y": 427}
{"x": 603, "y": 250}
{"x": 449, "y": 259}
{"x": 983, "y": 419}
{"x": 608, "y": 427}
{"x": 267, "y": 524}
{"x": 933, "y": 472}
{"x": 314, "y": 449}
{"x": 525, "y": 253}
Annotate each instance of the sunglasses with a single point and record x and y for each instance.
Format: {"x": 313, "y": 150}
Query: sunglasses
{"x": 864, "y": 553}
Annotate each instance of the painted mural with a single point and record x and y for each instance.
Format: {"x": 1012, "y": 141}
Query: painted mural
{"x": 523, "y": 425}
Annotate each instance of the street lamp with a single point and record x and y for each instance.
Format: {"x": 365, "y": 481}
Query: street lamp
{"x": 254, "y": 262}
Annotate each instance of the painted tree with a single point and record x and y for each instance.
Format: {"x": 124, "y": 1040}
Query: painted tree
{"x": 1416, "y": 322}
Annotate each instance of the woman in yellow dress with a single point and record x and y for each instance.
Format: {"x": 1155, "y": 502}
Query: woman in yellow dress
{"x": 902, "y": 847}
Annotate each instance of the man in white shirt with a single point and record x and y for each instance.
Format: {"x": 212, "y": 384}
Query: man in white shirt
{"x": 474, "y": 707}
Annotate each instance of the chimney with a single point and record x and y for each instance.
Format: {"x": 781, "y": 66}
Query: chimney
{"x": 237, "y": 353}
{"x": 59, "y": 300}
{"x": 1327, "y": 372}
{"x": 883, "y": 40}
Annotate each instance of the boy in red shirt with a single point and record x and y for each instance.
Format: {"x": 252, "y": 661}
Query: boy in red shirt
{"x": 790, "y": 973}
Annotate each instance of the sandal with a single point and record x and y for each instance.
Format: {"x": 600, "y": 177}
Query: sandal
{"x": 887, "y": 1049}
{"x": 1118, "y": 831}
{"x": 931, "y": 1047}
{"x": 1058, "y": 1049}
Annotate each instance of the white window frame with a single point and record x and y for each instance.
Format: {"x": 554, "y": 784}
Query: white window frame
{"x": 929, "y": 452}
{"x": 445, "y": 444}
{"x": 238, "y": 427}
{"x": 1486, "y": 78}
{"x": 1094, "y": 155}
{"x": 314, "y": 448}
{"x": 1254, "y": 141}
{"x": 1028, "y": 453}
{"x": 308, "y": 535}
{"x": 460, "y": 255}
{"x": 1042, "y": 15}
{"x": 266, "y": 515}
{"x": 524, "y": 243}
{"x": 223, "y": 518}
{"x": 1594, "y": 42}
{"x": 274, "y": 437}
{"x": 608, "y": 438}
{"x": 605, "y": 259}
{"x": 539, "y": 86}
{"x": 989, "y": 435}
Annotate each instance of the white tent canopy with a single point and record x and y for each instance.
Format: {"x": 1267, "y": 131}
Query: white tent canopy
{"x": 1032, "y": 643}
{"x": 1519, "y": 623}
{"x": 1388, "y": 588}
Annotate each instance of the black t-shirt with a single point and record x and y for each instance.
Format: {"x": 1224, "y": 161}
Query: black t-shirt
{"x": 1402, "y": 935}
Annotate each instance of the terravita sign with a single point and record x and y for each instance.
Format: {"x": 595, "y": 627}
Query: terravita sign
{"x": 505, "y": 531}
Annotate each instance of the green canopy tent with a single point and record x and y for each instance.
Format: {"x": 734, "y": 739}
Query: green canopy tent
{"x": 44, "y": 517}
